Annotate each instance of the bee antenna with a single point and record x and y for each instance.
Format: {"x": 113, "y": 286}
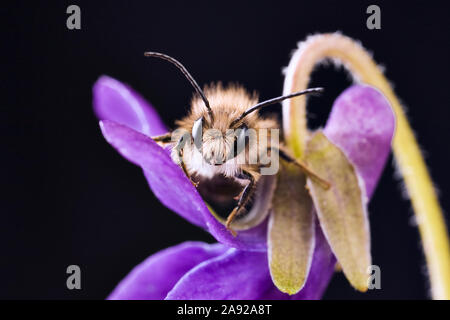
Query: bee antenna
{"x": 185, "y": 73}
{"x": 275, "y": 100}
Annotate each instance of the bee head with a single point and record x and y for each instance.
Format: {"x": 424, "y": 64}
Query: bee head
{"x": 221, "y": 134}
{"x": 218, "y": 146}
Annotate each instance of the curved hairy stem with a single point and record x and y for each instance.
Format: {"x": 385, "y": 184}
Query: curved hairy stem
{"x": 411, "y": 164}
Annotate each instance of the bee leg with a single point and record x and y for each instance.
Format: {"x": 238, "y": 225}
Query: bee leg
{"x": 179, "y": 147}
{"x": 164, "y": 138}
{"x": 284, "y": 154}
{"x": 243, "y": 199}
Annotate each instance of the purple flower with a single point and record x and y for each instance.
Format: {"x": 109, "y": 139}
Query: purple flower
{"x": 195, "y": 270}
{"x": 361, "y": 124}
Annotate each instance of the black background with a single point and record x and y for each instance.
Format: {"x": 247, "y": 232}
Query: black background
{"x": 69, "y": 198}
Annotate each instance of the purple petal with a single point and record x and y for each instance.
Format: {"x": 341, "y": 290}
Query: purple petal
{"x": 194, "y": 270}
{"x": 173, "y": 188}
{"x": 154, "y": 277}
{"x": 254, "y": 239}
{"x": 234, "y": 275}
{"x": 244, "y": 275}
{"x": 117, "y": 102}
{"x": 362, "y": 124}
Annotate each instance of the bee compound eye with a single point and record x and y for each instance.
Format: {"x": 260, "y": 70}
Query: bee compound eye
{"x": 239, "y": 141}
{"x": 197, "y": 133}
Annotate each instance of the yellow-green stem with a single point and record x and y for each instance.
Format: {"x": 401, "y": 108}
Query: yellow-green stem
{"x": 407, "y": 153}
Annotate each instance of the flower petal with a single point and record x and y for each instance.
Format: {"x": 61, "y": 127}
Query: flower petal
{"x": 173, "y": 188}
{"x": 234, "y": 275}
{"x": 362, "y": 124}
{"x": 155, "y": 277}
{"x": 291, "y": 231}
{"x": 244, "y": 275}
{"x": 254, "y": 239}
{"x": 117, "y": 102}
{"x": 341, "y": 209}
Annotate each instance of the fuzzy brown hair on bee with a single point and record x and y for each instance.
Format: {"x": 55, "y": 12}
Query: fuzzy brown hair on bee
{"x": 218, "y": 154}
{"x": 220, "y": 135}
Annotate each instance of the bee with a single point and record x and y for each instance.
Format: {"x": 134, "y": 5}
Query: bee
{"x": 210, "y": 141}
